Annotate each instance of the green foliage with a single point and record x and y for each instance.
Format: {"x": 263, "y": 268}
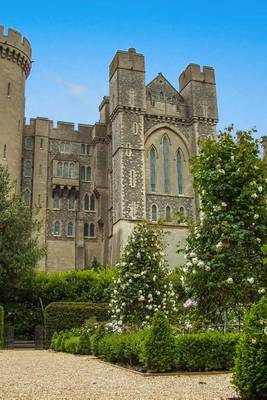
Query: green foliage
{"x": 250, "y": 371}
{"x": 62, "y": 316}
{"x": 224, "y": 271}
{"x": 205, "y": 351}
{"x": 84, "y": 344}
{"x": 95, "y": 339}
{"x": 159, "y": 346}
{"x": 141, "y": 286}
{"x": 1, "y": 327}
{"x": 71, "y": 344}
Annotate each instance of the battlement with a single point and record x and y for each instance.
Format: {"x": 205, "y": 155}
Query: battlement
{"x": 16, "y": 48}
{"x": 193, "y": 72}
{"x": 127, "y": 60}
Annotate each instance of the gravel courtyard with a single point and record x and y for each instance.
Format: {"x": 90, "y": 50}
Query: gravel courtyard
{"x": 44, "y": 375}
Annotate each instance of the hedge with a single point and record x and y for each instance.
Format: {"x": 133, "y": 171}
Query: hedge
{"x": 192, "y": 352}
{"x": 1, "y": 327}
{"x": 61, "y": 316}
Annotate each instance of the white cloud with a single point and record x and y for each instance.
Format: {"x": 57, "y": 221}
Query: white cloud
{"x": 73, "y": 88}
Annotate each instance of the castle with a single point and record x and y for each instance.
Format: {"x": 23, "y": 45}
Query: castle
{"x": 92, "y": 185}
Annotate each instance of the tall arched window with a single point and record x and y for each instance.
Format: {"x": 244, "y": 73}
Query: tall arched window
{"x": 166, "y": 164}
{"x": 56, "y": 201}
{"x": 4, "y": 152}
{"x": 70, "y": 229}
{"x": 59, "y": 168}
{"x": 56, "y": 228}
{"x": 168, "y": 213}
{"x": 92, "y": 202}
{"x": 153, "y": 169}
{"x": 71, "y": 201}
{"x": 182, "y": 212}
{"x": 179, "y": 161}
{"x": 86, "y": 202}
{"x": 86, "y": 230}
{"x": 66, "y": 170}
{"x": 27, "y": 197}
{"x": 92, "y": 230}
{"x": 27, "y": 168}
{"x": 132, "y": 178}
{"x": 135, "y": 128}
{"x": 88, "y": 173}
{"x": 83, "y": 173}
{"x": 154, "y": 213}
{"x": 71, "y": 170}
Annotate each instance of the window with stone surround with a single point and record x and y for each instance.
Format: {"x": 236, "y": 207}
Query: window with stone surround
{"x": 135, "y": 128}
{"x": 71, "y": 202}
{"x": 92, "y": 230}
{"x": 153, "y": 169}
{"x": 86, "y": 174}
{"x": 179, "y": 162}
{"x": 86, "y": 230}
{"x": 27, "y": 168}
{"x": 131, "y": 97}
{"x": 70, "y": 229}
{"x": 8, "y": 89}
{"x": 92, "y": 202}
{"x": 27, "y": 197}
{"x": 166, "y": 164}
{"x": 83, "y": 148}
{"x": 64, "y": 147}
{"x": 132, "y": 178}
{"x": 59, "y": 168}
{"x": 56, "y": 228}
{"x": 4, "y": 152}
{"x": 182, "y": 211}
{"x": 86, "y": 203}
{"x": 56, "y": 201}
{"x": 154, "y": 213}
{"x": 28, "y": 142}
{"x": 168, "y": 213}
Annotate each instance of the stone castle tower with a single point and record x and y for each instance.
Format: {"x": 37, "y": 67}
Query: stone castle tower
{"x": 93, "y": 184}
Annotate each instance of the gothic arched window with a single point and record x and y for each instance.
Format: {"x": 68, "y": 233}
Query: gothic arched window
{"x": 154, "y": 213}
{"x": 168, "y": 213}
{"x": 59, "y": 168}
{"x": 82, "y": 173}
{"x": 27, "y": 168}
{"x": 88, "y": 173}
{"x": 56, "y": 228}
{"x": 70, "y": 229}
{"x": 56, "y": 201}
{"x": 166, "y": 166}
{"x": 153, "y": 169}
{"x": 92, "y": 202}
{"x": 71, "y": 170}
{"x": 182, "y": 212}
{"x": 71, "y": 201}
{"x": 27, "y": 197}
{"x": 86, "y": 202}
{"x": 92, "y": 230}
{"x": 86, "y": 230}
{"x": 65, "y": 170}
{"x": 179, "y": 161}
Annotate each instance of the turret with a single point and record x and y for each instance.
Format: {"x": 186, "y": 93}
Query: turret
{"x": 15, "y": 66}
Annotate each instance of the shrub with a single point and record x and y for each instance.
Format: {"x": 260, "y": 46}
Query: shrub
{"x": 62, "y": 316}
{"x": 84, "y": 345}
{"x": 250, "y": 371}
{"x": 205, "y": 351}
{"x": 159, "y": 346}
{"x": 1, "y": 327}
{"x": 95, "y": 339}
{"x": 54, "y": 341}
{"x": 71, "y": 344}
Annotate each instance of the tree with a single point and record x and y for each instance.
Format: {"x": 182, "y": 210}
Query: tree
{"x": 224, "y": 272}
{"x": 141, "y": 286}
{"x": 19, "y": 250}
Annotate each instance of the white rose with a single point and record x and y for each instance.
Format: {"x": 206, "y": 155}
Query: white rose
{"x": 201, "y": 264}
{"x": 223, "y": 204}
{"x": 250, "y": 280}
{"x": 256, "y": 216}
{"x": 207, "y": 268}
{"x": 195, "y": 260}
{"x": 260, "y": 189}
{"x": 254, "y": 195}
{"x": 229, "y": 280}
{"x": 261, "y": 291}
{"x": 189, "y": 264}
{"x": 219, "y": 245}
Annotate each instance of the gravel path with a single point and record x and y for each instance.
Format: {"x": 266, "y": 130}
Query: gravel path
{"x": 44, "y": 375}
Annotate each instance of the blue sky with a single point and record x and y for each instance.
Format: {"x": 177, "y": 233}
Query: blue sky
{"x": 74, "y": 41}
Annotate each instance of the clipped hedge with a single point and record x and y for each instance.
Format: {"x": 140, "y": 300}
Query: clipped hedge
{"x": 190, "y": 352}
{"x": 62, "y": 316}
{"x": 1, "y": 327}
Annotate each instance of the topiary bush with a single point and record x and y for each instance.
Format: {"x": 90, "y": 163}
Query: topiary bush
{"x": 1, "y": 327}
{"x": 62, "y": 316}
{"x": 71, "y": 344}
{"x": 250, "y": 371}
{"x": 205, "y": 351}
{"x": 159, "y": 346}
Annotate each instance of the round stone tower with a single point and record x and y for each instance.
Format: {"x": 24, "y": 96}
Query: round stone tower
{"x": 15, "y": 66}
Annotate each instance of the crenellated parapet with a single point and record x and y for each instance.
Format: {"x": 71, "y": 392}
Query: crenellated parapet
{"x": 16, "y": 48}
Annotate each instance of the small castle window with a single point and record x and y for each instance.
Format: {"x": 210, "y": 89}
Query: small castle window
{"x": 182, "y": 211}
{"x": 8, "y": 89}
{"x": 135, "y": 128}
{"x": 88, "y": 174}
{"x": 27, "y": 168}
{"x": 41, "y": 143}
{"x": 39, "y": 201}
{"x": 92, "y": 230}
{"x": 28, "y": 143}
{"x": 66, "y": 170}
{"x": 71, "y": 170}
{"x": 56, "y": 201}
{"x": 82, "y": 148}
{"x": 4, "y": 152}
{"x": 128, "y": 149}
{"x": 64, "y": 147}
{"x": 56, "y": 228}
{"x": 154, "y": 213}
{"x": 132, "y": 178}
{"x": 82, "y": 173}
{"x": 86, "y": 230}
{"x": 161, "y": 96}
{"x": 40, "y": 169}
{"x": 89, "y": 149}
{"x": 131, "y": 97}
{"x": 70, "y": 229}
